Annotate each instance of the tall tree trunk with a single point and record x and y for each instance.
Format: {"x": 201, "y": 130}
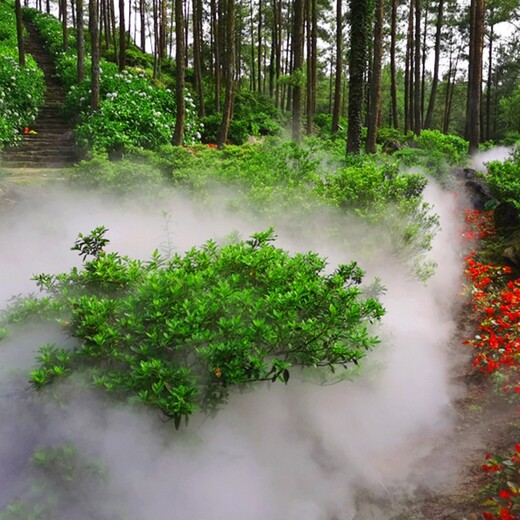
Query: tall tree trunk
{"x": 113, "y": 25}
{"x": 162, "y": 29}
{"x": 197, "y": 54}
{"x": 417, "y": 71}
{"x": 259, "y": 48}
{"x": 215, "y": 21}
{"x": 339, "y": 67}
{"x": 155, "y": 9}
{"x": 489, "y": 82}
{"x": 375, "y": 85}
{"x": 122, "y": 36}
{"x": 253, "y": 58}
{"x": 435, "y": 80}
{"x": 297, "y": 71}
{"x": 230, "y": 73}
{"x": 142, "y": 11}
{"x": 312, "y": 59}
{"x": 80, "y": 40}
{"x": 64, "y": 25}
{"x": 393, "y": 79}
{"x": 408, "y": 72}
{"x": 73, "y": 12}
{"x": 357, "y": 65}
{"x": 278, "y": 24}
{"x": 423, "y": 60}
{"x": 19, "y": 33}
{"x": 93, "y": 24}
{"x": 475, "y": 75}
{"x": 178, "y": 135}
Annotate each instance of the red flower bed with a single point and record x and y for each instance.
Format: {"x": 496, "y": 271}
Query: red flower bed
{"x": 495, "y": 300}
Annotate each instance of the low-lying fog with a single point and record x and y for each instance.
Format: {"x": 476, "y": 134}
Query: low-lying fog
{"x": 294, "y": 453}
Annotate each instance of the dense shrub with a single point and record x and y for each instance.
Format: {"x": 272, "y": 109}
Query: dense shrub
{"x": 180, "y": 333}
{"x": 21, "y": 88}
{"x": 453, "y": 148}
{"x": 503, "y": 179}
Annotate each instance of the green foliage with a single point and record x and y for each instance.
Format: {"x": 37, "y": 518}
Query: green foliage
{"x": 127, "y": 175}
{"x": 63, "y": 484}
{"x": 436, "y": 153}
{"x": 254, "y": 115}
{"x": 179, "y": 334}
{"x": 21, "y": 88}
{"x": 274, "y": 177}
{"x": 503, "y": 179}
{"x": 453, "y": 148}
{"x": 380, "y": 193}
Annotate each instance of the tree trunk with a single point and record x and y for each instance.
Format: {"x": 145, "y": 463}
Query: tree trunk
{"x": 408, "y": 72}
{"x": 197, "y": 54}
{"x": 163, "y": 15}
{"x": 489, "y": 78}
{"x": 393, "y": 79}
{"x": 375, "y": 85}
{"x": 312, "y": 77}
{"x": 339, "y": 67}
{"x": 64, "y": 25}
{"x": 417, "y": 71}
{"x": 475, "y": 75}
{"x": 297, "y": 71}
{"x": 178, "y": 135}
{"x": 230, "y": 72}
{"x": 122, "y": 36}
{"x": 357, "y": 66}
{"x": 142, "y": 9}
{"x": 259, "y": 48}
{"x": 253, "y": 58}
{"x": 155, "y": 9}
{"x": 95, "y": 52}
{"x": 80, "y": 40}
{"x": 215, "y": 21}
{"x": 435, "y": 80}
{"x": 19, "y": 33}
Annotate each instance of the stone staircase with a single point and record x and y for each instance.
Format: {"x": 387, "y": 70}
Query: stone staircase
{"x": 53, "y": 145}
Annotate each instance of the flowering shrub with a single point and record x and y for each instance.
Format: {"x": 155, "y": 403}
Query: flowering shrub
{"x": 21, "y": 88}
{"x": 504, "y": 488}
{"x": 179, "y": 333}
{"x": 496, "y": 303}
{"x": 479, "y": 224}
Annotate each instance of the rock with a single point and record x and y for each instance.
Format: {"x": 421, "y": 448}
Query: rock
{"x": 512, "y": 254}
{"x": 475, "y": 187}
{"x": 511, "y": 250}
{"x": 506, "y": 217}
{"x": 391, "y": 146}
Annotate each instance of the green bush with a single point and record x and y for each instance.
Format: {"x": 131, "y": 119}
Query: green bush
{"x": 118, "y": 176}
{"x": 179, "y": 334}
{"x": 452, "y": 147}
{"x": 21, "y": 88}
{"x": 503, "y": 179}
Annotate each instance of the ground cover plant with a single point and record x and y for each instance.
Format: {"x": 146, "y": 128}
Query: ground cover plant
{"x": 495, "y": 301}
{"x": 180, "y": 333}
{"x": 63, "y": 484}
{"x": 21, "y": 88}
{"x": 276, "y": 177}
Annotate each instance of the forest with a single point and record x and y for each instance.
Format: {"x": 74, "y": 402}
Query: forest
{"x": 260, "y": 259}
{"x": 389, "y": 69}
